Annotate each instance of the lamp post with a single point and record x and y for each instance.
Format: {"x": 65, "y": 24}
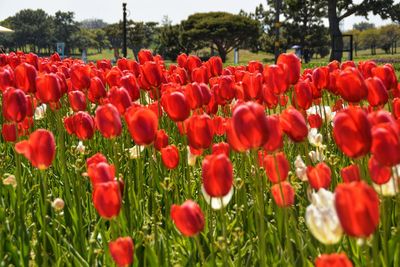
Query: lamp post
{"x": 124, "y": 30}
{"x": 278, "y": 5}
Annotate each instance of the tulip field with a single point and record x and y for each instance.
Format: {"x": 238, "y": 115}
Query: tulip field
{"x": 197, "y": 163}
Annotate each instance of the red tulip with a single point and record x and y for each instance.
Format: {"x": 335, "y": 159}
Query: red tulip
{"x": 39, "y": 149}
{"x": 380, "y": 174}
{"x": 48, "y": 88}
{"x": 293, "y": 64}
{"x": 352, "y": 132}
{"x": 221, "y": 148}
{"x": 320, "y": 77}
{"x": 250, "y": 125}
{"x": 176, "y": 105}
{"x": 252, "y": 85}
{"x": 387, "y": 75}
{"x": 14, "y": 106}
{"x": 351, "y": 86}
{"x": 350, "y": 173}
{"x": 121, "y": 251}
{"x": 386, "y": 143}
{"x": 9, "y": 132}
{"x": 188, "y": 218}
{"x": 145, "y": 55}
{"x": 283, "y": 194}
{"x": 80, "y": 76}
{"x": 215, "y": 66}
{"x": 396, "y": 108}
{"x": 25, "y": 77}
{"x": 226, "y": 87}
{"x": 275, "y": 79}
{"x": 6, "y": 78}
{"x": 270, "y": 99}
{"x": 107, "y": 199}
{"x": 192, "y": 62}
{"x": 130, "y": 83}
{"x": 93, "y": 161}
{"x": 200, "y": 131}
{"x": 101, "y": 172}
{"x": 161, "y": 140}
{"x": 302, "y": 95}
{"x": 357, "y": 206}
{"x": 314, "y": 120}
{"x": 200, "y": 74}
{"x": 319, "y": 176}
{"x": 293, "y": 124}
{"x": 120, "y": 98}
{"x": 113, "y": 77}
{"x": 77, "y": 100}
{"x": 81, "y": 124}
{"x": 170, "y": 156}
{"x": 276, "y": 167}
{"x": 182, "y": 60}
{"x": 197, "y": 95}
{"x": 142, "y": 125}
{"x": 217, "y": 174}
{"x": 219, "y": 125}
{"x": 377, "y": 94}
{"x": 108, "y": 121}
{"x": 96, "y": 90}
{"x": 151, "y": 74}
{"x": 275, "y": 139}
{"x": 333, "y": 260}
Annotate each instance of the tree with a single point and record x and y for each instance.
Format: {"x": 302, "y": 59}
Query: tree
{"x": 369, "y": 39}
{"x": 341, "y": 9}
{"x": 101, "y": 39}
{"x": 33, "y": 28}
{"x": 361, "y": 26}
{"x": 303, "y": 22}
{"x": 140, "y": 35}
{"x": 169, "y": 42}
{"x": 223, "y": 31}
{"x": 64, "y": 28}
{"x": 388, "y": 35}
{"x": 93, "y": 24}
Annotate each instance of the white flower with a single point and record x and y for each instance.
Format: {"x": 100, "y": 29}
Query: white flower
{"x": 322, "y": 111}
{"x": 58, "y": 204}
{"x": 134, "y": 152}
{"x": 322, "y": 219}
{"x": 191, "y": 158}
{"x": 10, "y": 180}
{"x": 80, "y": 147}
{"x": 301, "y": 169}
{"x": 316, "y": 156}
{"x": 314, "y": 137}
{"x": 217, "y": 202}
{"x": 40, "y": 111}
{"x": 391, "y": 188}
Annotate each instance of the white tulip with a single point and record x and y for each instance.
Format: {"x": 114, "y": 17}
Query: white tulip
{"x": 322, "y": 219}
{"x": 134, "y": 152}
{"x": 300, "y": 169}
{"x": 191, "y": 158}
{"x": 391, "y": 188}
{"x": 80, "y": 147}
{"x": 217, "y": 202}
{"x": 40, "y": 111}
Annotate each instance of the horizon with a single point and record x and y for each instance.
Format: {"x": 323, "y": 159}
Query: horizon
{"x": 151, "y": 10}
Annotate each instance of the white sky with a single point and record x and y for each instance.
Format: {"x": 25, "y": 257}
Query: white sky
{"x": 145, "y": 10}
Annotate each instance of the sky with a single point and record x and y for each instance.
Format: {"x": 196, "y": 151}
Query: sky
{"x": 147, "y": 10}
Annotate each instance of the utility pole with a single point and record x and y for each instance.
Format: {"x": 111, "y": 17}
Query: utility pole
{"x": 278, "y": 5}
{"x": 124, "y": 30}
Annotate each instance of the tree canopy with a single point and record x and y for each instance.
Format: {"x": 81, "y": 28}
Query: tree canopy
{"x": 220, "y": 30}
